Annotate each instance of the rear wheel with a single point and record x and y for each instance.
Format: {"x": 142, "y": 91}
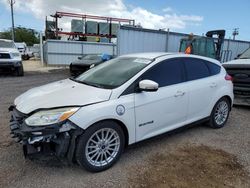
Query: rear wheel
{"x": 100, "y": 146}
{"x": 220, "y": 113}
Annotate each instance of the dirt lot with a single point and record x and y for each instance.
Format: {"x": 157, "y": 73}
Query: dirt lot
{"x": 191, "y": 157}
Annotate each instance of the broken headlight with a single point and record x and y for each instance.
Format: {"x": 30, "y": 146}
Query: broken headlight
{"x": 48, "y": 117}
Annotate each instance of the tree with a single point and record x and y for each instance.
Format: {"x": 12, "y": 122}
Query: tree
{"x": 22, "y": 34}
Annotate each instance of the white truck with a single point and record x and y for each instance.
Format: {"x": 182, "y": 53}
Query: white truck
{"x": 24, "y": 51}
{"x": 10, "y": 58}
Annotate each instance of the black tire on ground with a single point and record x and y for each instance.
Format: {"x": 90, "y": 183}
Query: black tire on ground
{"x": 81, "y": 155}
{"x": 220, "y": 122}
{"x": 19, "y": 71}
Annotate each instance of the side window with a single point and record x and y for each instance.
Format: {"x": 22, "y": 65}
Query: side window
{"x": 196, "y": 69}
{"x": 166, "y": 73}
{"x": 210, "y": 48}
{"x": 213, "y": 68}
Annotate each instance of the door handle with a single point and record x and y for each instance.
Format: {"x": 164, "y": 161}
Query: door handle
{"x": 179, "y": 93}
{"x": 212, "y": 85}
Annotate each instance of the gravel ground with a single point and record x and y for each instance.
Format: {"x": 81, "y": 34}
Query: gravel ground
{"x": 219, "y": 158}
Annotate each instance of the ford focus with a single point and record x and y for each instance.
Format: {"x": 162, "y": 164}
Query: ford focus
{"x": 90, "y": 119}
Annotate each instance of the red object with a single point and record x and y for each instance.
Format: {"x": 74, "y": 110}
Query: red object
{"x": 86, "y": 16}
{"x": 68, "y": 14}
{"x": 188, "y": 50}
{"x": 228, "y": 77}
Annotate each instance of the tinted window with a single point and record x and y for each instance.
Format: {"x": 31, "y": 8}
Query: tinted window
{"x": 213, "y": 68}
{"x": 196, "y": 69}
{"x": 166, "y": 73}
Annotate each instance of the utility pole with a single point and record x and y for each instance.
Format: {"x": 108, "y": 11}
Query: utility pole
{"x": 12, "y": 2}
{"x": 235, "y": 32}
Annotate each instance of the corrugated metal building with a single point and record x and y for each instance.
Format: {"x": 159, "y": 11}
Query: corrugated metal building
{"x": 133, "y": 40}
{"x": 129, "y": 40}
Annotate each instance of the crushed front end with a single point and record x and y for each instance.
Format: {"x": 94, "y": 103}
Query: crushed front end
{"x": 57, "y": 139}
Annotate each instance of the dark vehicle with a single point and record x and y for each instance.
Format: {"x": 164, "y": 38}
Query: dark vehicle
{"x": 204, "y": 46}
{"x": 239, "y": 69}
{"x": 86, "y": 62}
{"x": 10, "y": 58}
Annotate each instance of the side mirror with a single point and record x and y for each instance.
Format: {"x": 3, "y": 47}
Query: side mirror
{"x": 79, "y": 58}
{"x": 148, "y": 85}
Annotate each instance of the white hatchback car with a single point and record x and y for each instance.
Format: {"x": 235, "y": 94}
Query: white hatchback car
{"x": 91, "y": 118}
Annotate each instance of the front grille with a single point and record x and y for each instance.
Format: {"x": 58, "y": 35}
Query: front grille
{"x": 4, "y": 56}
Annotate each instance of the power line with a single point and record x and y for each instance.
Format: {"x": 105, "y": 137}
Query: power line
{"x": 235, "y": 32}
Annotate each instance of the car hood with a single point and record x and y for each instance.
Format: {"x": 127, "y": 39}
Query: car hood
{"x": 8, "y": 50}
{"x": 60, "y": 94}
{"x": 85, "y": 62}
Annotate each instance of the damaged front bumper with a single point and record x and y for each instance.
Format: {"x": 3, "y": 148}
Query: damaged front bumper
{"x": 57, "y": 139}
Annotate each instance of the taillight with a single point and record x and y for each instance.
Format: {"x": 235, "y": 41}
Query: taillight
{"x": 228, "y": 77}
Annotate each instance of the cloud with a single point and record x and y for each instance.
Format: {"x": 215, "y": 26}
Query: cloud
{"x": 113, "y": 8}
{"x": 167, "y": 9}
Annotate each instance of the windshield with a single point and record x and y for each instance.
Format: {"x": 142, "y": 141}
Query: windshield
{"x": 6, "y": 44}
{"x": 92, "y": 57}
{"x": 113, "y": 73}
{"x": 245, "y": 55}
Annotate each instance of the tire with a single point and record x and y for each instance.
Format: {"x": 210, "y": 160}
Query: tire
{"x": 91, "y": 152}
{"x": 220, "y": 113}
{"x": 19, "y": 71}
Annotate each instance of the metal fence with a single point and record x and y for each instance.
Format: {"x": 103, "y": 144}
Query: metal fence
{"x": 129, "y": 40}
{"x": 134, "y": 40}
{"x": 57, "y": 52}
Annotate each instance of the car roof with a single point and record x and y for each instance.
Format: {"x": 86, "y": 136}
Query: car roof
{"x": 154, "y": 55}
{"x": 148, "y": 55}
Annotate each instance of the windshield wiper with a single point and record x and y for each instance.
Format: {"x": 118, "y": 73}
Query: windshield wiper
{"x": 87, "y": 83}
{"x": 244, "y": 58}
{"x": 93, "y": 84}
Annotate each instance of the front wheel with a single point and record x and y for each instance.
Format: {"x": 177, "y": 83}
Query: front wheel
{"x": 19, "y": 71}
{"x": 100, "y": 146}
{"x": 220, "y": 113}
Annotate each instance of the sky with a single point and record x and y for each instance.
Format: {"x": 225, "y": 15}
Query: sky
{"x": 183, "y": 16}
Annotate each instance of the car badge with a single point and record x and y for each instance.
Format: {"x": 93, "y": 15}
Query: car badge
{"x": 120, "y": 110}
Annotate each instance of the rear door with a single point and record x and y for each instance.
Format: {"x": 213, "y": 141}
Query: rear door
{"x": 202, "y": 88}
{"x": 165, "y": 109}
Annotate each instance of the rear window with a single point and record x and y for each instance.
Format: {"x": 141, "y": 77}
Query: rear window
{"x": 196, "y": 69}
{"x": 213, "y": 68}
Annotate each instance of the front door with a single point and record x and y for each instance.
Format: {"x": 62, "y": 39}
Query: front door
{"x": 166, "y": 109}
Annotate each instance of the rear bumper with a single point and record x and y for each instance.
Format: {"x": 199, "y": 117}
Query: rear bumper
{"x": 57, "y": 139}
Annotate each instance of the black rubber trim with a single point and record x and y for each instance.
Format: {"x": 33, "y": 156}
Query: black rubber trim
{"x": 72, "y": 146}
